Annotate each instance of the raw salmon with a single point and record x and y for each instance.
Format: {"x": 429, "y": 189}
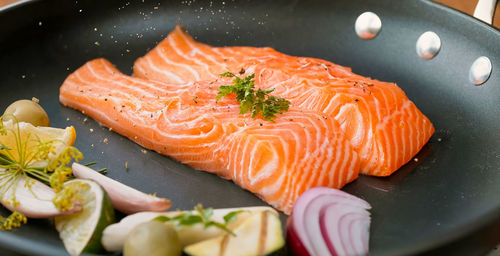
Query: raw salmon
{"x": 276, "y": 161}
{"x": 382, "y": 124}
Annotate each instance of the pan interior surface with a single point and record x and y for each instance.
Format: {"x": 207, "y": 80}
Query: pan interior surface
{"x": 449, "y": 191}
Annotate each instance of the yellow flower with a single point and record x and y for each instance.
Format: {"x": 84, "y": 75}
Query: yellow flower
{"x": 14, "y": 220}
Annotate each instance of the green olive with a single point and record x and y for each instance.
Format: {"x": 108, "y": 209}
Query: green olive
{"x": 27, "y": 111}
{"x": 152, "y": 238}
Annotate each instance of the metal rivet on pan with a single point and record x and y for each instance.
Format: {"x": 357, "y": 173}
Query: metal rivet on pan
{"x": 480, "y": 70}
{"x": 428, "y": 45}
{"x": 367, "y": 25}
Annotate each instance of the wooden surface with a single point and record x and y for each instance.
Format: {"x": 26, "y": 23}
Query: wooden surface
{"x": 6, "y": 2}
{"x": 466, "y": 6}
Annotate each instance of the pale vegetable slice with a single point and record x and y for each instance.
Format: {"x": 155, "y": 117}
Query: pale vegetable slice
{"x": 124, "y": 198}
{"x": 114, "y": 236}
{"x": 260, "y": 234}
{"x": 34, "y": 199}
{"x": 81, "y": 232}
{"x": 151, "y": 239}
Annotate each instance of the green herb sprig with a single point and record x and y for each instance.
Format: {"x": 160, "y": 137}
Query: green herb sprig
{"x": 256, "y": 101}
{"x": 201, "y": 216}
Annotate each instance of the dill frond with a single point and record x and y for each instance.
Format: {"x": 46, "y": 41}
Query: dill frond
{"x": 33, "y": 158}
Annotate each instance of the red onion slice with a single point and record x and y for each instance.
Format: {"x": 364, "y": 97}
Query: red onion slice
{"x": 327, "y": 221}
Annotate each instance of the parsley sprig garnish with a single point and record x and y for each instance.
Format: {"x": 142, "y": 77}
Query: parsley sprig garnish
{"x": 202, "y": 216}
{"x": 256, "y": 101}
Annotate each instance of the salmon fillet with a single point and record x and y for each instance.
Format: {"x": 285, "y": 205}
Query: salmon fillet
{"x": 382, "y": 124}
{"x": 276, "y": 161}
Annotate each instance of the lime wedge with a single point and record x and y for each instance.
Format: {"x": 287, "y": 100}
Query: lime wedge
{"x": 81, "y": 232}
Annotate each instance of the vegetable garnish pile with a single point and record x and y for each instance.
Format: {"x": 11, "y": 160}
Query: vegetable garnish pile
{"x": 252, "y": 231}
{"x": 254, "y": 101}
{"x": 32, "y": 154}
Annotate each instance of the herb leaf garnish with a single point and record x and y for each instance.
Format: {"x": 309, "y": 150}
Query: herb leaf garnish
{"x": 254, "y": 101}
{"x": 200, "y": 215}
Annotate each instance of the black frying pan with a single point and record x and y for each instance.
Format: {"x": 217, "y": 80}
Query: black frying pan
{"x": 447, "y": 202}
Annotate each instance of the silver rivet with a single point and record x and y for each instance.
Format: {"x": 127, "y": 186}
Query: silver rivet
{"x": 480, "y": 70}
{"x": 428, "y": 45}
{"x": 367, "y": 25}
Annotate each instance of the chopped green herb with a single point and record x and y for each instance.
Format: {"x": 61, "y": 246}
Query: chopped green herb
{"x": 201, "y": 216}
{"x": 254, "y": 101}
{"x": 162, "y": 218}
{"x": 102, "y": 171}
{"x": 230, "y": 217}
{"x": 90, "y": 164}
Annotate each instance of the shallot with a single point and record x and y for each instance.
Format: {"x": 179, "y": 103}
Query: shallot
{"x": 33, "y": 199}
{"x": 124, "y": 198}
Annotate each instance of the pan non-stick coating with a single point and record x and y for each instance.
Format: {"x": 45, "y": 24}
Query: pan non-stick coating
{"x": 451, "y": 194}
